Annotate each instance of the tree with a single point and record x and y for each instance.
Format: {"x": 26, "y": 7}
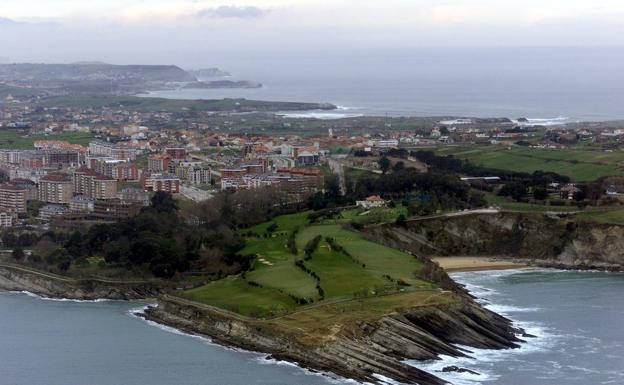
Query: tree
{"x": 117, "y": 251}
{"x": 384, "y": 164}
{"x": 332, "y": 187}
{"x": 540, "y": 193}
{"x": 580, "y": 195}
{"x": 18, "y": 253}
{"x": 398, "y": 166}
{"x": 75, "y": 245}
{"x": 164, "y": 203}
{"x": 401, "y": 221}
{"x": 516, "y": 190}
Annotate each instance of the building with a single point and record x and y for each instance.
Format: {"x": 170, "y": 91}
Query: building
{"x": 28, "y": 185}
{"x": 33, "y": 174}
{"x": 49, "y": 212}
{"x": 58, "y": 145}
{"x": 120, "y": 170}
{"x": 160, "y": 182}
{"x": 178, "y": 153}
{"x": 371, "y": 202}
{"x": 56, "y": 188}
{"x": 568, "y": 191}
{"x": 117, "y": 151}
{"x": 485, "y": 179}
{"x": 134, "y": 195}
{"x": 81, "y": 204}
{"x": 61, "y": 158}
{"x": 199, "y": 175}
{"x": 125, "y": 172}
{"x": 386, "y": 143}
{"x": 6, "y": 219}
{"x": 115, "y": 209}
{"x": 232, "y": 172}
{"x": 32, "y": 160}
{"x": 158, "y": 163}
{"x": 307, "y": 158}
{"x": 13, "y": 198}
{"x": 90, "y": 183}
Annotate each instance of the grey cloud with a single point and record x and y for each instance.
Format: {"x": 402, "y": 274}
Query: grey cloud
{"x": 233, "y": 11}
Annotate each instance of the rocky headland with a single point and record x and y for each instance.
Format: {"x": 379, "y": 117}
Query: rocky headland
{"x": 369, "y": 339}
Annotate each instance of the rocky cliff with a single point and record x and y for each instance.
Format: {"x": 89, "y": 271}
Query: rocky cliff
{"x": 17, "y": 279}
{"x": 540, "y": 239}
{"x": 360, "y": 349}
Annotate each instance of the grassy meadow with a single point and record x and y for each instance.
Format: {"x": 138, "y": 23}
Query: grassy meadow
{"x": 21, "y": 140}
{"x": 582, "y": 165}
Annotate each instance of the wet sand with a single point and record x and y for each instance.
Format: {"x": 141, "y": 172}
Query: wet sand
{"x": 454, "y": 264}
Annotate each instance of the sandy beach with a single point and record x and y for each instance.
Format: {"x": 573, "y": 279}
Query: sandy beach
{"x": 476, "y": 263}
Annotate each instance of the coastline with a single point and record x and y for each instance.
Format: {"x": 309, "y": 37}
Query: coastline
{"x": 478, "y": 371}
{"x": 468, "y": 263}
{"x": 278, "y": 346}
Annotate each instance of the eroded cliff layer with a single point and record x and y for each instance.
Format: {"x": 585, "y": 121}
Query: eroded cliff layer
{"x": 541, "y": 239}
{"x": 357, "y": 345}
{"x": 51, "y": 286}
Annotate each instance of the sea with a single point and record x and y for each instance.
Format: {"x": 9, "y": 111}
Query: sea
{"x": 550, "y": 85}
{"x": 576, "y": 318}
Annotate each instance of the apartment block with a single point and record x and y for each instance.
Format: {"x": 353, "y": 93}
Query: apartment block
{"x": 13, "y": 198}
{"x": 160, "y": 182}
{"x": 56, "y": 188}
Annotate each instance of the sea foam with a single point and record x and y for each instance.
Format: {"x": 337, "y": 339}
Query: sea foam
{"x": 43, "y": 298}
{"x": 483, "y": 361}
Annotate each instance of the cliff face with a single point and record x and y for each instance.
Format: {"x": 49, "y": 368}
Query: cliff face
{"x": 544, "y": 240}
{"x": 360, "y": 349}
{"x": 12, "y": 279}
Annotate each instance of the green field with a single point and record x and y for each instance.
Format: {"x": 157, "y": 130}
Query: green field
{"x": 613, "y": 217}
{"x": 19, "y": 139}
{"x": 581, "y": 165}
{"x": 275, "y": 284}
{"x": 509, "y": 204}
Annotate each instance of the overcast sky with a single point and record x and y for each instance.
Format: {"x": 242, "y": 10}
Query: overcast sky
{"x": 173, "y": 31}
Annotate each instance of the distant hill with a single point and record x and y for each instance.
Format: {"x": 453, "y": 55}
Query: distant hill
{"x": 33, "y": 72}
{"x": 223, "y": 84}
{"x": 209, "y": 73}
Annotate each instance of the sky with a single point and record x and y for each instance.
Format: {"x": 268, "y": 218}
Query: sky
{"x": 187, "y": 31}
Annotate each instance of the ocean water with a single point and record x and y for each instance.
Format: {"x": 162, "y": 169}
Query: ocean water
{"x": 46, "y": 342}
{"x": 576, "y": 317}
{"x": 554, "y": 84}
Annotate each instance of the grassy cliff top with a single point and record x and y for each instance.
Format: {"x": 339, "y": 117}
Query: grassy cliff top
{"x": 343, "y": 267}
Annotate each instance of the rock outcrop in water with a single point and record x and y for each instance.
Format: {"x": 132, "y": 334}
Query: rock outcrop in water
{"x": 543, "y": 240}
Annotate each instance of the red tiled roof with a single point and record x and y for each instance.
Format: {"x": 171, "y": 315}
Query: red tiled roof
{"x": 57, "y": 177}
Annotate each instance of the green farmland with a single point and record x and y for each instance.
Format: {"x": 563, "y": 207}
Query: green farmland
{"x": 347, "y": 268}
{"x": 579, "y": 164}
{"x": 19, "y": 139}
